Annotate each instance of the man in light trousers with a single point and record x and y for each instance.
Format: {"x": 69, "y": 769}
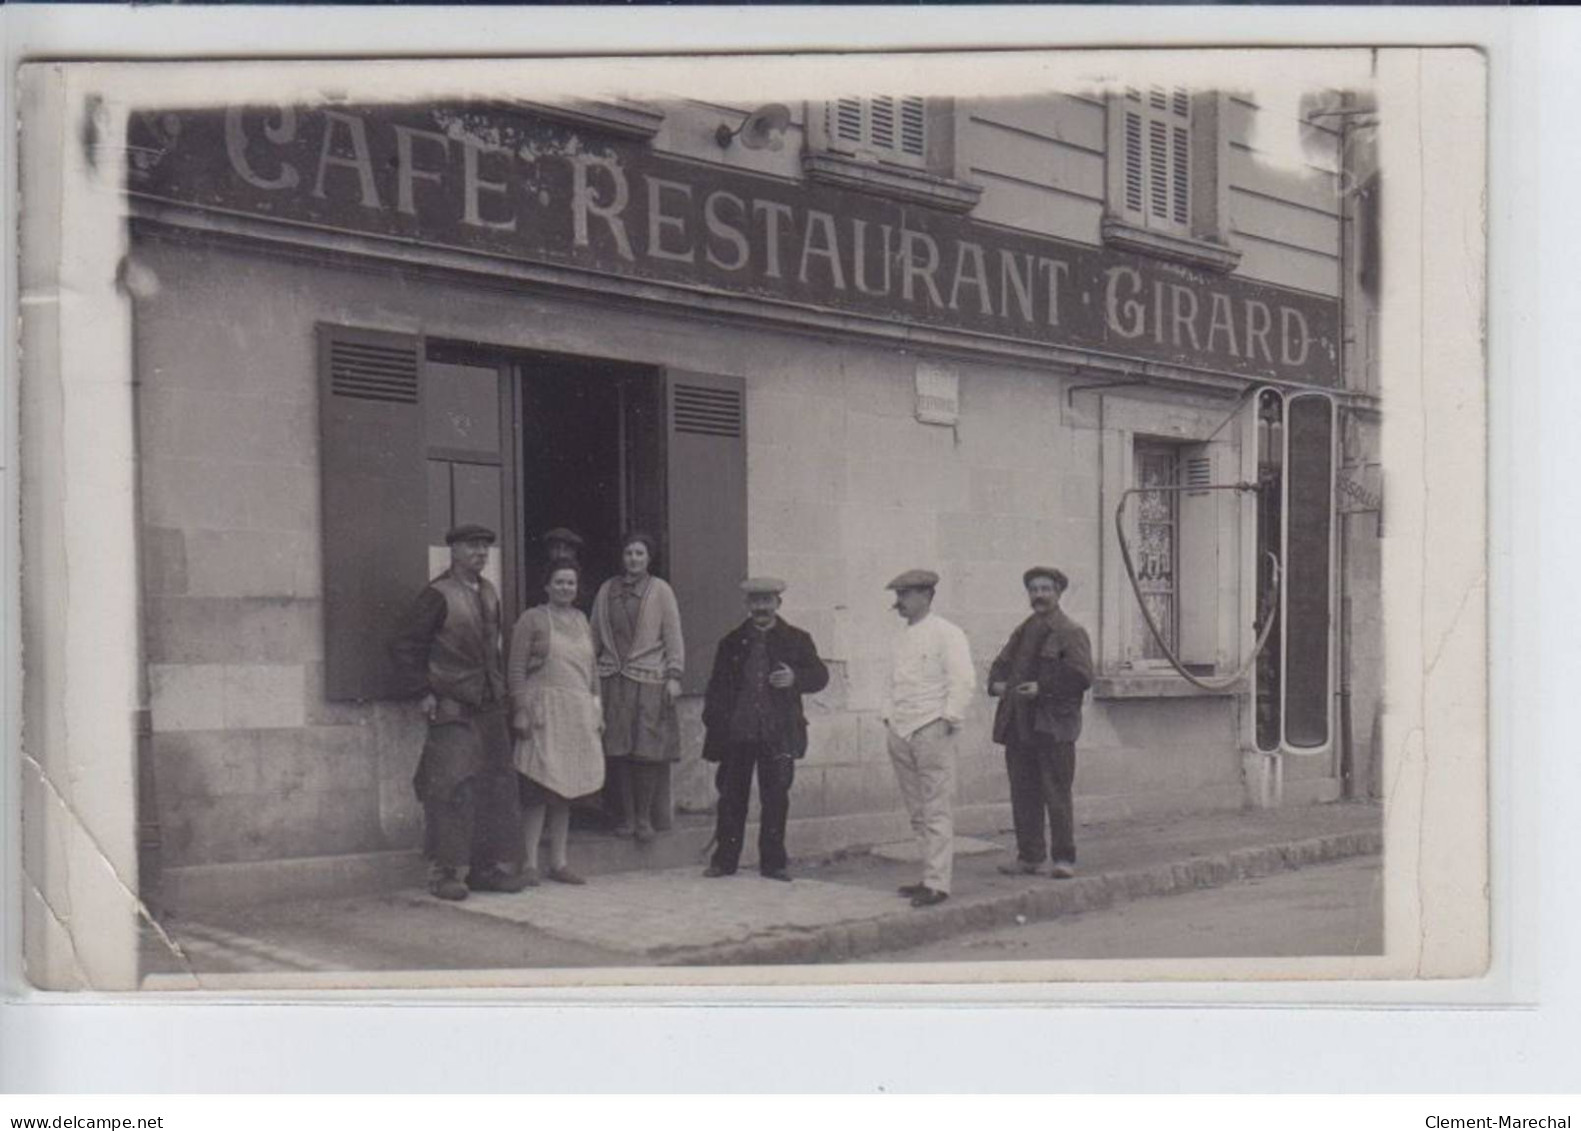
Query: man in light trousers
{"x": 930, "y": 686}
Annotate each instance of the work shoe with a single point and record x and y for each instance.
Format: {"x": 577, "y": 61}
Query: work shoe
{"x": 777, "y": 874}
{"x": 566, "y": 876}
{"x": 1019, "y": 868}
{"x": 714, "y": 871}
{"x": 497, "y": 880}
{"x": 909, "y": 890}
{"x": 446, "y": 886}
{"x": 643, "y": 832}
{"x": 1063, "y": 870}
{"x": 928, "y": 897}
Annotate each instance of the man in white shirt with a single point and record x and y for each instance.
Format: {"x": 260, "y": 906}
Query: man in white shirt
{"x": 930, "y": 686}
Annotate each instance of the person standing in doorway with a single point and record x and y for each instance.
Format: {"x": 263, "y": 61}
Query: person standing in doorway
{"x": 1040, "y": 678}
{"x": 930, "y": 687}
{"x": 753, "y": 715}
{"x": 641, "y": 658}
{"x": 563, "y": 545}
{"x": 557, "y": 719}
{"x": 446, "y": 652}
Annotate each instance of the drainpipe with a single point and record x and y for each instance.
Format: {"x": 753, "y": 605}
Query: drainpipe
{"x": 1345, "y": 752}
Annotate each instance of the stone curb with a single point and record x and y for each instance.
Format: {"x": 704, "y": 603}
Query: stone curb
{"x": 843, "y": 941}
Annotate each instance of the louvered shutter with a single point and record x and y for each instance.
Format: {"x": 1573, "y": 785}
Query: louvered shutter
{"x": 707, "y": 505}
{"x": 374, "y": 494}
{"x": 891, "y": 128}
{"x": 1199, "y": 557}
{"x": 1156, "y": 158}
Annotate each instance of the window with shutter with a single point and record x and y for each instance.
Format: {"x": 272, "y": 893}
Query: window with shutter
{"x": 1176, "y": 542}
{"x": 1167, "y": 170}
{"x": 707, "y": 510}
{"x": 885, "y": 127}
{"x": 1157, "y": 158}
{"x": 898, "y": 146}
{"x": 374, "y": 483}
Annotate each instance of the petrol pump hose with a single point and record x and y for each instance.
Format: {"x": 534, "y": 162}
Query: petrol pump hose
{"x": 1267, "y": 612}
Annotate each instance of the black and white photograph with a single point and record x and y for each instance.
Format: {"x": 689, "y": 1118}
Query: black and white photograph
{"x": 854, "y": 520}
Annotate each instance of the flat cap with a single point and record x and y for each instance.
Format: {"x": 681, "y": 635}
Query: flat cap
{"x": 1054, "y": 575}
{"x": 915, "y": 579}
{"x": 762, "y": 585}
{"x": 469, "y": 532}
{"x": 561, "y": 534}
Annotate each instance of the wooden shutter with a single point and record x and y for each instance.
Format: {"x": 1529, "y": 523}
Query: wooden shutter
{"x": 1199, "y": 558}
{"x": 894, "y": 128}
{"x": 707, "y": 510}
{"x": 374, "y": 492}
{"x": 1156, "y": 157}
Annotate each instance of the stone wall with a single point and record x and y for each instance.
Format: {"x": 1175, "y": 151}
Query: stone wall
{"x": 846, "y": 490}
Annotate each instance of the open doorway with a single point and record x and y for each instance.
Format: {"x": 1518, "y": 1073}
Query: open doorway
{"x": 590, "y": 454}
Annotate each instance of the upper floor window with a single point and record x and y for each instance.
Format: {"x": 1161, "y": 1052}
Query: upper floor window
{"x": 1167, "y": 175}
{"x": 1157, "y": 158}
{"x": 899, "y": 146}
{"x": 884, "y": 127}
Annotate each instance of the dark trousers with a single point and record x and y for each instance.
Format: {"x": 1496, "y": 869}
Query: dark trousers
{"x": 733, "y": 780}
{"x": 475, "y": 821}
{"x": 1041, "y": 771}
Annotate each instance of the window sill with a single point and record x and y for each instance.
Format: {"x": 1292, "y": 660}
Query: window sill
{"x": 1205, "y": 254}
{"x": 1151, "y": 686}
{"x": 914, "y": 185}
{"x": 623, "y": 119}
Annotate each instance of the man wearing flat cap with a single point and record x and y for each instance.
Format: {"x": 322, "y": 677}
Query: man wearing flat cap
{"x": 753, "y": 714}
{"x": 448, "y": 656}
{"x": 563, "y": 544}
{"x": 1040, "y": 677}
{"x": 930, "y": 686}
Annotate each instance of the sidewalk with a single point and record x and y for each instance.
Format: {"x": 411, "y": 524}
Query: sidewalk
{"x": 837, "y": 909}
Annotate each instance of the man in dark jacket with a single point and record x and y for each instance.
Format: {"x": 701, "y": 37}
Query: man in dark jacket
{"x": 447, "y": 654}
{"x": 753, "y": 715}
{"x": 1040, "y": 678}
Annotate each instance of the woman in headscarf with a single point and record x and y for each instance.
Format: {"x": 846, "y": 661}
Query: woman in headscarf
{"x": 641, "y": 657}
{"x": 557, "y": 717}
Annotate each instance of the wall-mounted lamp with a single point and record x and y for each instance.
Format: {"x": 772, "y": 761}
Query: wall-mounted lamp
{"x": 764, "y": 128}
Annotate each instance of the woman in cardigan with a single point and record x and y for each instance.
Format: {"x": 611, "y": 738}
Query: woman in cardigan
{"x": 641, "y": 656}
{"x": 555, "y": 690}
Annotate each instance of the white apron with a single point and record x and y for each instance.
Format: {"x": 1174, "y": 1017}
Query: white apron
{"x": 563, "y": 751}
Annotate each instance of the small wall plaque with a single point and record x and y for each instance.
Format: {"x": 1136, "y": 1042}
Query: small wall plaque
{"x": 938, "y": 394}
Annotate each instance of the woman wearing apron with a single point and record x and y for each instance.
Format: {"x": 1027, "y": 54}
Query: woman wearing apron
{"x": 557, "y": 718}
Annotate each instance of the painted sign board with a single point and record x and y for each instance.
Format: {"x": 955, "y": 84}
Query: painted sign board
{"x": 502, "y": 181}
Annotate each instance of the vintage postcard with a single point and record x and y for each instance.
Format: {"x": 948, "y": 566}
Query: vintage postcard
{"x": 1006, "y": 519}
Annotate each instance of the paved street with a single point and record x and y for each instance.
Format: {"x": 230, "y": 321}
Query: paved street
{"x": 1228, "y": 878}
{"x": 1330, "y": 909}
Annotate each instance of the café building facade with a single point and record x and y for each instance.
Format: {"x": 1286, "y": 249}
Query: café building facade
{"x": 826, "y": 341}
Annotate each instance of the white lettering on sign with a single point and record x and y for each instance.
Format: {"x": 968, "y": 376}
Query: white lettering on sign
{"x": 679, "y": 222}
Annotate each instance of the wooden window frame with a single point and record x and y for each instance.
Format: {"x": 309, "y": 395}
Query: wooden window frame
{"x": 1195, "y": 232}
{"x": 1211, "y": 576}
{"x": 931, "y": 177}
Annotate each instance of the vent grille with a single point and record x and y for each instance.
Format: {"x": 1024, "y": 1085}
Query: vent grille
{"x": 373, "y": 373}
{"x": 707, "y": 412}
{"x": 1199, "y": 471}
